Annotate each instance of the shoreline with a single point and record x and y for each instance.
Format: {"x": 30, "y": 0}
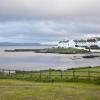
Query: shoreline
{"x": 51, "y": 50}
{"x": 53, "y": 69}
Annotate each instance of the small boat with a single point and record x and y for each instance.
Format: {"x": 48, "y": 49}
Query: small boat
{"x": 90, "y": 56}
{"x": 75, "y": 57}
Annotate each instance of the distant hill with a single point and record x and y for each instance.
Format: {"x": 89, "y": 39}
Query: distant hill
{"x": 18, "y": 44}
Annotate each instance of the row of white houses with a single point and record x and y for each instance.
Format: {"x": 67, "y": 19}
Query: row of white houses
{"x": 79, "y": 43}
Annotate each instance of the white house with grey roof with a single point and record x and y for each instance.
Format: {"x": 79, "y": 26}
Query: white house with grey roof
{"x": 79, "y": 43}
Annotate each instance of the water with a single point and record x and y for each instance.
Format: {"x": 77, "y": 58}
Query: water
{"x": 40, "y": 61}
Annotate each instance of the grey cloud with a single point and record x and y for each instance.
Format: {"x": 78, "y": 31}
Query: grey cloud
{"x": 46, "y": 30}
{"x": 49, "y": 20}
{"x": 50, "y": 9}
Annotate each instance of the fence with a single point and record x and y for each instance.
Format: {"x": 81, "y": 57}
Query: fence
{"x": 51, "y": 75}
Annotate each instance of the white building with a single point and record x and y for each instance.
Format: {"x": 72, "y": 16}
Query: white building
{"x": 63, "y": 44}
{"x": 79, "y": 43}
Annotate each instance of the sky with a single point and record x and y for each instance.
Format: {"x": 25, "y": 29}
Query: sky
{"x": 46, "y": 21}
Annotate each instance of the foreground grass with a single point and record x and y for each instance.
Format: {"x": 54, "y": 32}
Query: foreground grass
{"x": 23, "y": 90}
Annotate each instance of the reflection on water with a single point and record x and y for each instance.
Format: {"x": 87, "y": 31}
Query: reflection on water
{"x": 39, "y": 61}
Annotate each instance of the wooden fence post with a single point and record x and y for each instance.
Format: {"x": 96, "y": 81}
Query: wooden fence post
{"x": 73, "y": 75}
{"x": 9, "y": 72}
{"x": 49, "y": 74}
{"x": 88, "y": 75}
{"x": 40, "y": 75}
{"x": 23, "y": 74}
{"x": 61, "y": 75}
{"x": 31, "y": 74}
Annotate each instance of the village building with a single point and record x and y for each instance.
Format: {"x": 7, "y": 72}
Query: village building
{"x": 79, "y": 43}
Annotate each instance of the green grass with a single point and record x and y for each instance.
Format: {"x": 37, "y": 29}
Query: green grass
{"x": 26, "y": 85}
{"x": 52, "y": 50}
{"x": 23, "y": 90}
{"x": 81, "y": 74}
{"x": 96, "y": 68}
{"x": 66, "y": 50}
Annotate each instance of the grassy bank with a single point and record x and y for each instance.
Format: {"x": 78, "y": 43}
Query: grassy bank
{"x": 66, "y": 50}
{"x": 51, "y": 50}
{"x": 22, "y": 90}
{"x": 63, "y": 50}
{"x": 81, "y": 74}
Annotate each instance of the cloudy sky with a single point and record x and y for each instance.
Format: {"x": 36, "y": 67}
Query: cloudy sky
{"x": 48, "y": 20}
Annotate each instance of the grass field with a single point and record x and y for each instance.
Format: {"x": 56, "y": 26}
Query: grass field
{"x": 28, "y": 86}
{"x": 84, "y": 74}
{"x": 24, "y": 90}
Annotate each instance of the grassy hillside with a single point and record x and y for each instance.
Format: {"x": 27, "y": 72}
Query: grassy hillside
{"x": 22, "y": 90}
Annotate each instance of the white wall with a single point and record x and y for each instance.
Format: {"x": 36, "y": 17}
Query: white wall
{"x": 98, "y": 43}
{"x": 60, "y": 45}
{"x": 72, "y": 43}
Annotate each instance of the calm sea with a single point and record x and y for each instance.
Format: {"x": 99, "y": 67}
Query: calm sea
{"x": 40, "y": 61}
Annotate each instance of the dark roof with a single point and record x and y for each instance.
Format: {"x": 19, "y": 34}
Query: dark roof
{"x": 65, "y": 41}
{"x": 91, "y": 40}
{"x": 79, "y": 41}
